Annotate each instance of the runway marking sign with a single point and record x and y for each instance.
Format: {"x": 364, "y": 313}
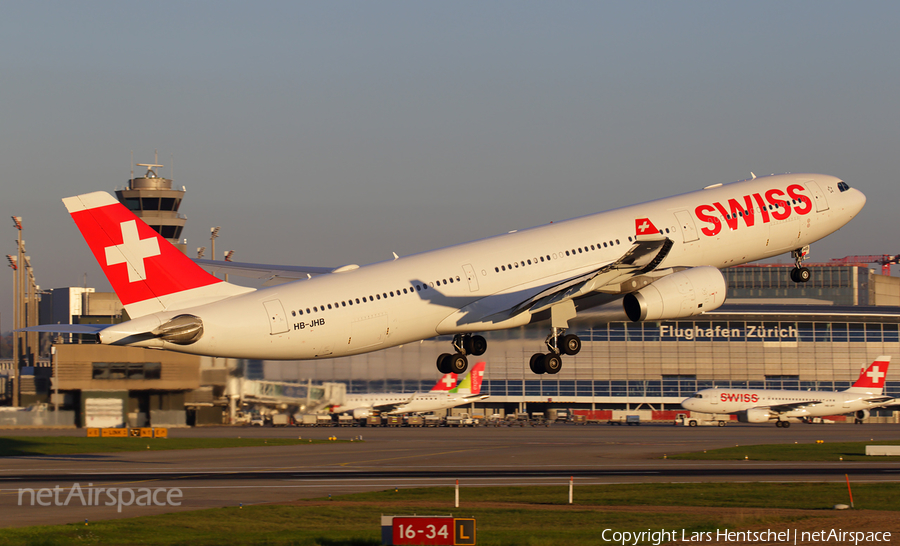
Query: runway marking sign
{"x": 428, "y": 530}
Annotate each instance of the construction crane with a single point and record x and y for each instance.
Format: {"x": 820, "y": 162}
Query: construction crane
{"x": 886, "y": 261}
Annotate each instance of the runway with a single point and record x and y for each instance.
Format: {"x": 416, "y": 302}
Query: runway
{"x": 401, "y": 458}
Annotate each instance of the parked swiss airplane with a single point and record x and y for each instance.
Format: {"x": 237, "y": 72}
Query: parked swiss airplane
{"x": 657, "y": 260}
{"x": 782, "y": 406}
{"x": 445, "y": 394}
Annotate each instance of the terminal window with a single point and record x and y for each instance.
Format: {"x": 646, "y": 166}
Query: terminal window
{"x": 126, "y": 370}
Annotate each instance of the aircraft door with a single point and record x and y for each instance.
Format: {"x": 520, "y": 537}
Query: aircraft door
{"x": 368, "y": 331}
{"x": 687, "y": 226}
{"x": 277, "y": 319}
{"x": 470, "y": 275}
{"x": 818, "y": 196}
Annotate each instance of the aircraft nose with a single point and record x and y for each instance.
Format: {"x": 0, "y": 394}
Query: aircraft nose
{"x": 688, "y": 403}
{"x": 861, "y": 200}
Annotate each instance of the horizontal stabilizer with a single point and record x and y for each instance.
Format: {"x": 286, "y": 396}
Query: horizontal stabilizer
{"x": 65, "y": 328}
{"x": 272, "y": 274}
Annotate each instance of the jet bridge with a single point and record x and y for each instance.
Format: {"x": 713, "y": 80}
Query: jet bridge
{"x": 283, "y": 397}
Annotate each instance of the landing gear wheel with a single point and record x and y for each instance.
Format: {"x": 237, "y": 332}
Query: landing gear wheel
{"x": 801, "y": 274}
{"x": 571, "y": 344}
{"x": 458, "y": 363}
{"x": 537, "y": 363}
{"x": 785, "y": 424}
{"x": 443, "y": 363}
{"x": 476, "y": 345}
{"x": 552, "y": 363}
{"x": 779, "y": 423}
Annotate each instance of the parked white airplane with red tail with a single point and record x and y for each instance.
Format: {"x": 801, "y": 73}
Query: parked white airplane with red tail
{"x": 657, "y": 260}
{"x": 445, "y": 394}
{"x": 785, "y": 406}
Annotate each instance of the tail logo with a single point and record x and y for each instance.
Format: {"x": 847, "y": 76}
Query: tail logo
{"x": 448, "y": 380}
{"x": 876, "y": 374}
{"x": 132, "y": 252}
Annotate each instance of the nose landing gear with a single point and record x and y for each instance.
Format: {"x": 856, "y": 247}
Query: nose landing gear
{"x": 800, "y": 273}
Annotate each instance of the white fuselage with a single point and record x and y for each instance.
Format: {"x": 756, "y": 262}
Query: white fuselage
{"x": 738, "y": 400}
{"x": 405, "y": 402}
{"x": 460, "y": 289}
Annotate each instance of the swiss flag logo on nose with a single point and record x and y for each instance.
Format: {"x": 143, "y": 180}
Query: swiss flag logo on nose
{"x": 643, "y": 226}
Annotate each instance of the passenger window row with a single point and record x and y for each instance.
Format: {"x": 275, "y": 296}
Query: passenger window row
{"x": 555, "y": 256}
{"x": 412, "y": 289}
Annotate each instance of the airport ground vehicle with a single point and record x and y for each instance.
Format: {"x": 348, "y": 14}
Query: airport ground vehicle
{"x": 684, "y": 420}
{"x": 628, "y": 420}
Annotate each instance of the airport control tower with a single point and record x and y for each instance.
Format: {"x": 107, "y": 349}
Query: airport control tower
{"x": 153, "y": 199}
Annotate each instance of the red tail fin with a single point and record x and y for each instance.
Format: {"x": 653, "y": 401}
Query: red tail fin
{"x": 477, "y": 377}
{"x": 445, "y": 383}
{"x": 872, "y": 378}
{"x": 142, "y": 267}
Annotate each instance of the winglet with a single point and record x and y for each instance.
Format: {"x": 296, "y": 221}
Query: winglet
{"x": 643, "y": 226}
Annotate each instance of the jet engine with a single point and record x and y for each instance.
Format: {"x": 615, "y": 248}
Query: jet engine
{"x": 861, "y": 414}
{"x": 755, "y": 415}
{"x": 683, "y": 294}
{"x": 362, "y": 413}
{"x": 181, "y": 330}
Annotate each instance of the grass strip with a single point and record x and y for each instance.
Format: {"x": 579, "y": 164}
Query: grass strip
{"x": 356, "y": 525}
{"x": 800, "y": 495}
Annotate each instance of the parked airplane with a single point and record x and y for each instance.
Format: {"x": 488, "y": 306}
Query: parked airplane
{"x": 653, "y": 261}
{"x": 445, "y": 394}
{"x": 783, "y": 407}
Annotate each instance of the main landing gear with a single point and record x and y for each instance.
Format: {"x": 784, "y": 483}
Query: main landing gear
{"x": 800, "y": 273}
{"x": 558, "y": 344}
{"x": 465, "y": 344}
{"x": 782, "y": 424}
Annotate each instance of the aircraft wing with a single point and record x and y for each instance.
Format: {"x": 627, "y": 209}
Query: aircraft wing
{"x": 784, "y": 408}
{"x": 273, "y": 274}
{"x": 643, "y": 257}
{"x": 879, "y": 400}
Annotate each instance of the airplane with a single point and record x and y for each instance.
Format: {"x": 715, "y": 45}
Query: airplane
{"x": 445, "y": 394}
{"x": 784, "y": 406}
{"x": 653, "y": 261}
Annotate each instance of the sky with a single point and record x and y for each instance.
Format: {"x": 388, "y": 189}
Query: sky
{"x": 329, "y": 133}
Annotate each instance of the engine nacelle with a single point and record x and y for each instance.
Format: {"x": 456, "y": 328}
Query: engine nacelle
{"x": 683, "y": 294}
{"x": 861, "y": 414}
{"x": 755, "y": 415}
{"x": 362, "y": 413}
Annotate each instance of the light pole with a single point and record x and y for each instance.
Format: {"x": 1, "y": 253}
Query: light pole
{"x": 228, "y": 255}
{"x": 200, "y": 251}
{"x": 14, "y": 264}
{"x": 213, "y": 234}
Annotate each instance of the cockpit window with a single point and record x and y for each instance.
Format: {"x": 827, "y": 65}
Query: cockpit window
{"x": 843, "y": 186}
{"x": 698, "y": 396}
